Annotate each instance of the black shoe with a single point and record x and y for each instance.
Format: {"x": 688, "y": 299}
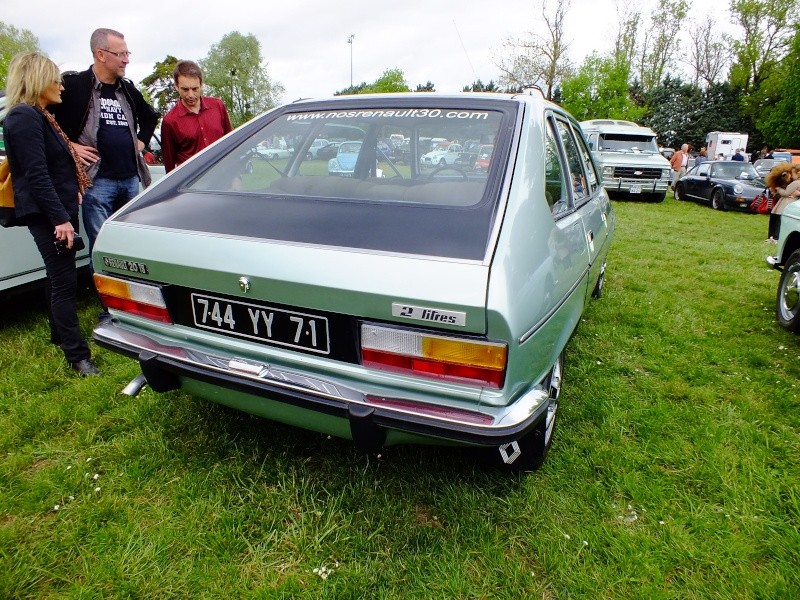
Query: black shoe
{"x": 85, "y": 368}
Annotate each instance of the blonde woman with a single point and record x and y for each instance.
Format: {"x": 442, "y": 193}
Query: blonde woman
{"x": 48, "y": 182}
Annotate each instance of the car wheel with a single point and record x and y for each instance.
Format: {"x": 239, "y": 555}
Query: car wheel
{"x": 680, "y": 194}
{"x": 717, "y": 200}
{"x": 528, "y": 453}
{"x": 442, "y": 162}
{"x": 658, "y": 197}
{"x": 788, "y": 300}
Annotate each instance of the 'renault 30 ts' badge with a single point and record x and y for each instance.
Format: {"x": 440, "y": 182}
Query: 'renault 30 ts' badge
{"x": 426, "y": 313}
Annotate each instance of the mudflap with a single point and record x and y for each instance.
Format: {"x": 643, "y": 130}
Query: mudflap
{"x": 523, "y": 455}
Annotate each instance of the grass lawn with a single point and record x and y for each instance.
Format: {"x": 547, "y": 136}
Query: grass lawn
{"x": 674, "y": 473}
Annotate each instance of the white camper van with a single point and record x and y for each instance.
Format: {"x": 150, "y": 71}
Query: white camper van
{"x": 725, "y": 143}
{"x": 629, "y": 158}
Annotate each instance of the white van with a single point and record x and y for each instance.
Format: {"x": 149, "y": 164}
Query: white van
{"x": 629, "y": 158}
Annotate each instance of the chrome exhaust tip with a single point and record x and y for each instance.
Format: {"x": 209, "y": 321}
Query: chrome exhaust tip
{"x": 135, "y": 386}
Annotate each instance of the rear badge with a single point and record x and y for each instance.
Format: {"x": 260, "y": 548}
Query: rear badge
{"x": 122, "y": 264}
{"x": 433, "y": 315}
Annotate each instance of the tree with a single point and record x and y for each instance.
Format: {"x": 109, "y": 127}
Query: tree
{"x": 625, "y": 44}
{"x": 235, "y": 72}
{"x": 540, "y": 60}
{"x": 392, "y": 80}
{"x": 768, "y": 26}
{"x": 479, "y": 86}
{"x": 428, "y": 87}
{"x": 708, "y": 54}
{"x": 780, "y": 125}
{"x": 160, "y": 84}
{"x": 659, "y": 47}
{"x": 600, "y": 90}
{"x": 13, "y": 41}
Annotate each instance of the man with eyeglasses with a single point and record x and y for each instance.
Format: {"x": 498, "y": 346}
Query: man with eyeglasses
{"x": 109, "y": 123}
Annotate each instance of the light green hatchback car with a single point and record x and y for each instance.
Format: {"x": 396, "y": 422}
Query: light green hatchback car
{"x": 787, "y": 261}
{"x": 392, "y": 303}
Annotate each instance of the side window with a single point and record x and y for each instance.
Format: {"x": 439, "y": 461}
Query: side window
{"x": 703, "y": 169}
{"x": 586, "y": 157}
{"x": 555, "y": 187}
{"x": 577, "y": 176}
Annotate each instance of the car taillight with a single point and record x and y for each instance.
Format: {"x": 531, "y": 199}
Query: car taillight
{"x": 132, "y": 297}
{"x": 454, "y": 359}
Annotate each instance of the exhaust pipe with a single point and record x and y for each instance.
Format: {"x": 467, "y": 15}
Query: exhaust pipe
{"x": 135, "y": 386}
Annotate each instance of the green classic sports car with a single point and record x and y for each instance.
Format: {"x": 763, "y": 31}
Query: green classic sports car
{"x": 396, "y": 305}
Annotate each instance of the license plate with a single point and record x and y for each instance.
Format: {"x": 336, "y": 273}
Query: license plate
{"x": 636, "y": 189}
{"x": 277, "y": 326}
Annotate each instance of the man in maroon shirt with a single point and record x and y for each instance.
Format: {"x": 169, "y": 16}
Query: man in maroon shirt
{"x": 195, "y": 122}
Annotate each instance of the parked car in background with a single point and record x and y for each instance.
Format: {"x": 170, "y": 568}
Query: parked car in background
{"x": 765, "y": 165}
{"x": 484, "y": 157}
{"x": 269, "y": 151}
{"x": 345, "y": 162}
{"x": 396, "y": 305}
{"x": 315, "y": 147}
{"x": 441, "y": 156}
{"x": 328, "y": 152}
{"x": 787, "y": 261}
{"x": 783, "y": 155}
{"x": 722, "y": 184}
{"x": 629, "y": 159}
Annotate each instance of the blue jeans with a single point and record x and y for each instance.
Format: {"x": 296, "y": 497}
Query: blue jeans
{"x": 102, "y": 199}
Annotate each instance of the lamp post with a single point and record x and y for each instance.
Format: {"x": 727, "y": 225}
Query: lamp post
{"x": 350, "y": 41}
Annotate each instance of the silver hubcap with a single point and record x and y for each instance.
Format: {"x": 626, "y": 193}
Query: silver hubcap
{"x": 790, "y": 294}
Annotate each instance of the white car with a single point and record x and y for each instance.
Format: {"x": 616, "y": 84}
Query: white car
{"x": 442, "y": 156}
{"x": 315, "y": 147}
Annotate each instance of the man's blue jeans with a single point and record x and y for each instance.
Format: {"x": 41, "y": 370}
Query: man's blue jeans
{"x": 102, "y": 199}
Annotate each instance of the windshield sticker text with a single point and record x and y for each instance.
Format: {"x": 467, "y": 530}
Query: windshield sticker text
{"x": 419, "y": 113}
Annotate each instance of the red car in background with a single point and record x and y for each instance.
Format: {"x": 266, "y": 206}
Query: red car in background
{"x": 484, "y": 157}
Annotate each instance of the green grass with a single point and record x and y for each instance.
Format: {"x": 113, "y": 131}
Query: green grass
{"x": 675, "y": 471}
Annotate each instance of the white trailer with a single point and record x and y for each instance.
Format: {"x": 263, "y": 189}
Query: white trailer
{"x": 725, "y": 143}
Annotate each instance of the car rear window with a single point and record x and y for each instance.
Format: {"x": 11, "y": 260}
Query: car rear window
{"x": 388, "y": 155}
{"x": 401, "y": 179}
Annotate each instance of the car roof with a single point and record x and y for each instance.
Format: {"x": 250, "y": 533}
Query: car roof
{"x": 615, "y": 126}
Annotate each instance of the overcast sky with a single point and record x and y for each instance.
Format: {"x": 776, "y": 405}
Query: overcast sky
{"x": 450, "y": 43}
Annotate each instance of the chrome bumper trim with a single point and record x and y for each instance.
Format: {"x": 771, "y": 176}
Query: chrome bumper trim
{"x": 314, "y": 393}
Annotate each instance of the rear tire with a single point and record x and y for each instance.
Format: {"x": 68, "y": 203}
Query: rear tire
{"x": 528, "y": 453}
{"x": 787, "y": 304}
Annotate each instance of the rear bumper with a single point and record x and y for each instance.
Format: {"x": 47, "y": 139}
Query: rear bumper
{"x": 164, "y": 367}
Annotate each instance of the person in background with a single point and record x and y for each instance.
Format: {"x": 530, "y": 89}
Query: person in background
{"x": 738, "y": 156}
{"x": 48, "y": 180}
{"x": 679, "y": 162}
{"x": 701, "y": 158}
{"x": 778, "y": 178}
{"x": 785, "y": 186}
{"x": 195, "y": 122}
{"x": 109, "y": 123}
